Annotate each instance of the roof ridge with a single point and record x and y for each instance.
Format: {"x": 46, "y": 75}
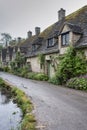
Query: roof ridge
{"x": 76, "y": 13}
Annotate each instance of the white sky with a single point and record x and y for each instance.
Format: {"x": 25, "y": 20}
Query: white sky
{"x": 17, "y": 17}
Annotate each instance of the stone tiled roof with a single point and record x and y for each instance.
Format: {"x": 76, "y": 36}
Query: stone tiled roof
{"x": 82, "y": 42}
{"x": 77, "y": 22}
{"x": 73, "y": 27}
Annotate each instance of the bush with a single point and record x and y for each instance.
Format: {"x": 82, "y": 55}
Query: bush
{"x": 54, "y": 80}
{"x": 6, "y": 69}
{"x": 77, "y": 83}
{"x": 1, "y": 69}
{"x": 37, "y": 76}
{"x": 31, "y": 75}
{"x": 24, "y": 71}
{"x": 41, "y": 76}
{"x": 2, "y": 83}
{"x": 72, "y": 65}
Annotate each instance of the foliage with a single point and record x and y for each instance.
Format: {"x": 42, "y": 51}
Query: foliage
{"x": 41, "y": 58}
{"x": 37, "y": 76}
{"x": 1, "y": 47}
{"x": 31, "y": 75}
{"x": 20, "y": 60}
{"x": 13, "y": 65}
{"x": 24, "y": 71}
{"x": 54, "y": 80}
{"x": 6, "y": 38}
{"x": 77, "y": 83}
{"x": 17, "y": 65}
{"x": 41, "y": 76}
{"x": 28, "y": 122}
{"x": 6, "y": 69}
{"x": 1, "y": 69}
{"x": 73, "y": 64}
{"x": 13, "y": 42}
{"x": 1, "y": 82}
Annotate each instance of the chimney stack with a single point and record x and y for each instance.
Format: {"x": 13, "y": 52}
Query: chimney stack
{"x": 61, "y": 14}
{"x": 37, "y": 30}
{"x": 29, "y": 34}
{"x": 19, "y": 39}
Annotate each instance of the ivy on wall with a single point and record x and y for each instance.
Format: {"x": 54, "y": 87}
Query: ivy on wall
{"x": 41, "y": 58}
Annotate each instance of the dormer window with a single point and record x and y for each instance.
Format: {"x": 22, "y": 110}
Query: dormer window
{"x": 51, "y": 42}
{"x": 34, "y": 47}
{"x": 65, "y": 39}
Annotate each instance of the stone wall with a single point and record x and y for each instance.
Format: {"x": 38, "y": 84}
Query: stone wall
{"x": 35, "y": 65}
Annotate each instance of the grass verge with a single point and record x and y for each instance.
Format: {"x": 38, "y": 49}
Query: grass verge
{"x": 28, "y": 120}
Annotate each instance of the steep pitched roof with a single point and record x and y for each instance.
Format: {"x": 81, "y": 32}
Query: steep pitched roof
{"x": 80, "y": 18}
{"x": 77, "y": 22}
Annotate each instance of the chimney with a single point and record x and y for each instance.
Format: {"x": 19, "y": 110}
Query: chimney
{"x": 61, "y": 14}
{"x": 37, "y": 30}
{"x": 19, "y": 39}
{"x": 29, "y": 34}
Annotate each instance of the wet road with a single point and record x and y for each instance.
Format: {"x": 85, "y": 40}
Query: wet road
{"x": 56, "y": 107}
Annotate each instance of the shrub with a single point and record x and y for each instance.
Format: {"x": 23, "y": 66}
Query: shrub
{"x": 73, "y": 64}
{"x": 24, "y": 71}
{"x": 6, "y": 69}
{"x": 1, "y": 83}
{"x": 54, "y": 80}
{"x": 77, "y": 83}
{"x": 1, "y": 69}
{"x": 37, "y": 76}
{"x": 41, "y": 76}
{"x": 31, "y": 75}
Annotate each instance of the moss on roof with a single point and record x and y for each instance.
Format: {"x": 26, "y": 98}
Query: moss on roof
{"x": 27, "y": 41}
{"x": 76, "y": 13}
{"x": 77, "y": 17}
{"x": 47, "y": 31}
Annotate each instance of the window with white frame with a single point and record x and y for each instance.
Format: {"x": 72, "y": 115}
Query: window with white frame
{"x": 34, "y": 47}
{"x": 65, "y": 39}
{"x": 51, "y": 42}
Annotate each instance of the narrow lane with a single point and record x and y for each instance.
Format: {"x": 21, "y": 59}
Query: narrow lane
{"x": 56, "y": 107}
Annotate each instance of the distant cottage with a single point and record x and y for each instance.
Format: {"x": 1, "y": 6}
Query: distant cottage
{"x": 53, "y": 41}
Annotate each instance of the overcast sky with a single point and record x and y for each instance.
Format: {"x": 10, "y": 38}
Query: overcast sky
{"x": 17, "y": 17}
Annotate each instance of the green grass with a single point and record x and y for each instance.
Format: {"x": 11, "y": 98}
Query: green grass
{"x": 28, "y": 120}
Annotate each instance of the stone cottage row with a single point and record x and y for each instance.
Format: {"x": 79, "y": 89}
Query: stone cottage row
{"x": 53, "y": 41}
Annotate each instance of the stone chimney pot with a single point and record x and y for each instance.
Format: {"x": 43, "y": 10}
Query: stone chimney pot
{"x": 37, "y": 30}
{"x": 61, "y": 14}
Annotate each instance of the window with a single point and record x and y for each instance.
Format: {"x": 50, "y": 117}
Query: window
{"x": 33, "y": 47}
{"x": 65, "y": 39}
{"x": 50, "y": 42}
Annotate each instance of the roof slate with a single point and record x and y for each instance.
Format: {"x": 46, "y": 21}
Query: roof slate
{"x": 77, "y": 22}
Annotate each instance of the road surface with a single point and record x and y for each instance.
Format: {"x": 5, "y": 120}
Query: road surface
{"x": 55, "y": 107}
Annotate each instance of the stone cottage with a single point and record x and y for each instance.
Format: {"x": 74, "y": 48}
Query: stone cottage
{"x": 55, "y": 39}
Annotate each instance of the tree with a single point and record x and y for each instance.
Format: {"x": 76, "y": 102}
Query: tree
{"x": 6, "y": 38}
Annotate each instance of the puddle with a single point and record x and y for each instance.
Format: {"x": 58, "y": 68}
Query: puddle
{"x": 10, "y": 114}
